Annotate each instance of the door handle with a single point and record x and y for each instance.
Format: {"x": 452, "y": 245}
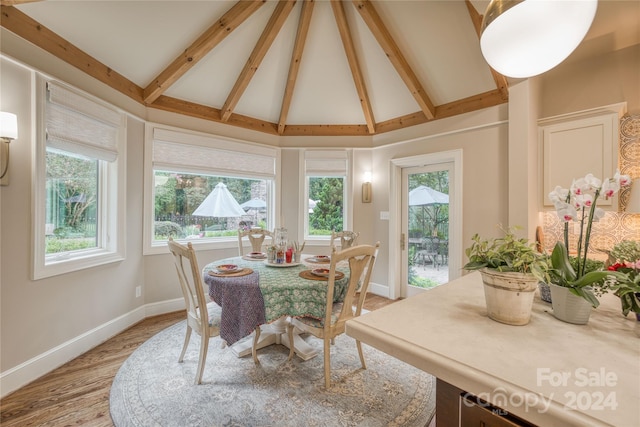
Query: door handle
{"x": 402, "y": 241}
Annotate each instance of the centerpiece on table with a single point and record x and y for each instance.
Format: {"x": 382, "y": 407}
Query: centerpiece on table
{"x": 624, "y": 258}
{"x": 511, "y": 269}
{"x": 572, "y": 283}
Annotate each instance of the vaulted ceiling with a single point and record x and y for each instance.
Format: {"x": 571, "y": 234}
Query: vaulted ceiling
{"x": 289, "y": 67}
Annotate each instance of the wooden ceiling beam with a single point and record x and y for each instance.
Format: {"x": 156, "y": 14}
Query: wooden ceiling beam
{"x": 15, "y": 2}
{"x": 277, "y": 20}
{"x": 296, "y": 59}
{"x": 32, "y": 31}
{"x": 393, "y": 52}
{"x": 501, "y": 81}
{"x": 187, "y": 108}
{"x": 201, "y": 47}
{"x": 450, "y": 109}
{"x": 354, "y": 65}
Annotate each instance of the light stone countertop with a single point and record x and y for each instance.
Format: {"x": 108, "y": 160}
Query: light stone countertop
{"x": 537, "y": 371}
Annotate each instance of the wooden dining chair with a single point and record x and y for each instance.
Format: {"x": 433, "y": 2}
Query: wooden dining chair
{"x": 256, "y": 237}
{"x": 361, "y": 260}
{"x": 347, "y": 238}
{"x": 202, "y": 317}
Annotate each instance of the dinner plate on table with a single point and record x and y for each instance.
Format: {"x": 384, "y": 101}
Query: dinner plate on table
{"x": 320, "y": 272}
{"x": 320, "y": 259}
{"x": 227, "y": 268}
{"x": 256, "y": 255}
{"x": 284, "y": 264}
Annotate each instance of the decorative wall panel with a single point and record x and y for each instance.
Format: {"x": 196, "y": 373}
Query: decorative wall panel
{"x": 615, "y": 226}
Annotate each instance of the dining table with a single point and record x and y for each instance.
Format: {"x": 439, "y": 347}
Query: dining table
{"x": 256, "y": 293}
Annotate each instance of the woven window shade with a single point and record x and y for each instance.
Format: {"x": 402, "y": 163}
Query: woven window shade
{"x": 326, "y": 163}
{"x": 79, "y": 125}
{"x": 207, "y": 159}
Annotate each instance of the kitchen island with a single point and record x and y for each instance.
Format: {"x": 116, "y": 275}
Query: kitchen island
{"x": 548, "y": 372}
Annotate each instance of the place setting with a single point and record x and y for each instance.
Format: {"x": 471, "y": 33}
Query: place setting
{"x": 230, "y": 270}
{"x": 255, "y": 256}
{"x": 319, "y": 274}
{"x": 319, "y": 259}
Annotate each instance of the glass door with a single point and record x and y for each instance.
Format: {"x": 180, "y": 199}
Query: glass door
{"x": 426, "y": 226}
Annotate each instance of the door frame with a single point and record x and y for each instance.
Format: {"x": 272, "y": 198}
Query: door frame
{"x": 395, "y": 214}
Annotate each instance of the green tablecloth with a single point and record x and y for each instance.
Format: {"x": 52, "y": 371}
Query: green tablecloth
{"x": 285, "y": 293}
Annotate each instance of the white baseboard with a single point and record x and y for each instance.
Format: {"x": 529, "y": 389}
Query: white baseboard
{"x": 32, "y": 369}
{"x": 378, "y": 289}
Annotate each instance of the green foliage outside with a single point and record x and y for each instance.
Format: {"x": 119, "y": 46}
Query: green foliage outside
{"x": 177, "y": 195}
{"x": 328, "y": 214}
{"x": 55, "y": 245}
{"x": 71, "y": 202}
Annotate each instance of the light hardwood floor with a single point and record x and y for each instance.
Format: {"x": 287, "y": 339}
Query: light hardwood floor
{"x": 77, "y": 393}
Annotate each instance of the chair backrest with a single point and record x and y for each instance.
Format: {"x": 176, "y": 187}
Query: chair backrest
{"x": 347, "y": 238}
{"x": 189, "y": 275}
{"x": 361, "y": 260}
{"x": 256, "y": 238}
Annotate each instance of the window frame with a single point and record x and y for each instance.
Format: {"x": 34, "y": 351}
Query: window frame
{"x": 111, "y": 217}
{"x": 327, "y": 157}
{"x": 199, "y": 141}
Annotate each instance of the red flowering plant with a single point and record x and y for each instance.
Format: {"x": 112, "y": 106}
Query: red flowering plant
{"x": 578, "y": 203}
{"x": 626, "y": 286}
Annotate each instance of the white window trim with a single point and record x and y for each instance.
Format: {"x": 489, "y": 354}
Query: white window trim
{"x": 112, "y": 193}
{"x": 329, "y": 156}
{"x": 193, "y": 138}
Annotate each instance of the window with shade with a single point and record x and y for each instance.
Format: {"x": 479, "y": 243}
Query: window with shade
{"x": 202, "y": 188}
{"x": 79, "y": 185}
{"x": 326, "y": 201}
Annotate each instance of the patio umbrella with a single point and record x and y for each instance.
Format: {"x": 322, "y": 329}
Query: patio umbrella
{"x": 426, "y": 196}
{"x": 219, "y": 203}
{"x": 254, "y": 203}
{"x": 423, "y": 196}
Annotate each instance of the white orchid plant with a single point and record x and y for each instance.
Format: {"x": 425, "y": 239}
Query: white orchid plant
{"x": 578, "y": 203}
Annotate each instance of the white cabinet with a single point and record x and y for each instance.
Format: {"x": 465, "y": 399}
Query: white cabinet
{"x": 572, "y": 146}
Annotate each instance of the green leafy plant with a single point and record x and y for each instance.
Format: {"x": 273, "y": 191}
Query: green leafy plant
{"x": 507, "y": 254}
{"x": 579, "y": 203}
{"x": 626, "y": 285}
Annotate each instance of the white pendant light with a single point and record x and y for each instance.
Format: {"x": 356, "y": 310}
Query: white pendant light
{"x": 524, "y": 38}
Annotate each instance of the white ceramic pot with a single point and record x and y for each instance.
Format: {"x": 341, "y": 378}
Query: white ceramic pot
{"x": 568, "y": 307}
{"x": 509, "y": 296}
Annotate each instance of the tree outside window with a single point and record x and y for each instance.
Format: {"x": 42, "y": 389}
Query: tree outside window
{"x": 71, "y": 202}
{"x": 178, "y": 195}
{"x": 328, "y": 213}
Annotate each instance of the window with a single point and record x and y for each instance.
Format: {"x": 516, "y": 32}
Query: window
{"x": 79, "y": 184}
{"x": 326, "y": 198}
{"x": 203, "y": 188}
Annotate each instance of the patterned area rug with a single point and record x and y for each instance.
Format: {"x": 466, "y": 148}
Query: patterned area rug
{"x": 153, "y": 389}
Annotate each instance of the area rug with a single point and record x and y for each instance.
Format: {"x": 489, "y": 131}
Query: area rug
{"x": 153, "y": 389}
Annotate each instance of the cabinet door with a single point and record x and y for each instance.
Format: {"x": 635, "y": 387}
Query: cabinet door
{"x": 573, "y": 148}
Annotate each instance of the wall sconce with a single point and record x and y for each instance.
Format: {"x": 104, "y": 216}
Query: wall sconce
{"x": 633, "y": 205}
{"x": 524, "y": 38}
{"x": 8, "y": 132}
{"x": 366, "y": 188}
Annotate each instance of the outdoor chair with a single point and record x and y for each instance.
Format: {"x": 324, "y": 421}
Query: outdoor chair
{"x": 361, "y": 260}
{"x": 429, "y": 252}
{"x": 202, "y": 317}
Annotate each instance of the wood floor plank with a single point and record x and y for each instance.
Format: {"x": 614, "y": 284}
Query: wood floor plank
{"x": 77, "y": 393}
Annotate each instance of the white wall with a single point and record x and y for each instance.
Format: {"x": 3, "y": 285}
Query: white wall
{"x": 39, "y": 316}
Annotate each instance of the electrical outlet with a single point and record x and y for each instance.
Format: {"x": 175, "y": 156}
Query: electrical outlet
{"x": 138, "y": 291}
